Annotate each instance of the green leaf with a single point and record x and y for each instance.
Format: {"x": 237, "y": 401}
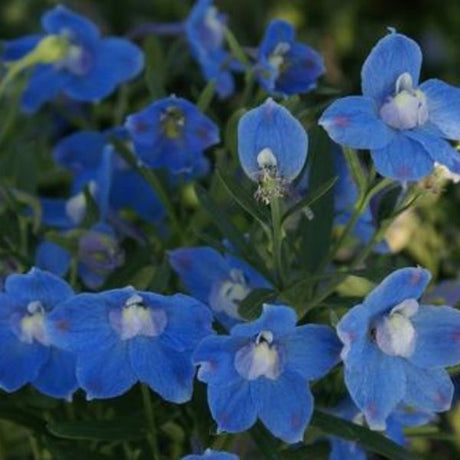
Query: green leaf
{"x": 154, "y": 67}
{"x": 251, "y": 306}
{"x": 311, "y": 198}
{"x": 369, "y": 440}
{"x": 231, "y": 132}
{"x": 206, "y": 95}
{"x": 245, "y": 199}
{"x": 357, "y": 170}
{"x": 26, "y": 419}
{"x": 316, "y": 233}
{"x": 235, "y": 48}
{"x": 120, "y": 429}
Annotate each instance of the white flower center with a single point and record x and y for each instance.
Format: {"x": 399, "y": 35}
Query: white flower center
{"x": 395, "y": 335}
{"x": 260, "y": 358}
{"x": 31, "y": 326}
{"x": 214, "y": 24}
{"x": 278, "y": 55}
{"x": 408, "y": 108}
{"x": 137, "y": 319}
{"x": 226, "y": 296}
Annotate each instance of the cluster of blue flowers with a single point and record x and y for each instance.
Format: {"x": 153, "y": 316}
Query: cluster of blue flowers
{"x": 393, "y": 347}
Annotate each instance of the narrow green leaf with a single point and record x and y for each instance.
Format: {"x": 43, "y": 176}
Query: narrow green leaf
{"x": 311, "y": 197}
{"x": 369, "y": 440}
{"x": 100, "y": 430}
{"x": 235, "y": 48}
{"x": 206, "y": 96}
{"x": 251, "y": 306}
{"x": 231, "y": 132}
{"x": 358, "y": 172}
{"x": 154, "y": 67}
{"x": 245, "y": 198}
{"x": 26, "y": 419}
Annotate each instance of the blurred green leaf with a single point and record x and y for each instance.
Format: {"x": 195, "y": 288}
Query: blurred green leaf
{"x": 154, "y": 67}
{"x": 250, "y": 307}
{"x": 206, "y": 96}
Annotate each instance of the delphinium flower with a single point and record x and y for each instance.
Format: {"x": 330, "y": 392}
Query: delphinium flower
{"x": 205, "y": 32}
{"x": 395, "y": 349}
{"x": 29, "y": 355}
{"x": 261, "y": 370}
{"x": 88, "y": 68}
{"x": 285, "y": 66}
{"x": 172, "y": 133}
{"x": 272, "y": 147}
{"x": 402, "y": 417}
{"x": 124, "y": 336}
{"x": 220, "y": 281}
{"x": 82, "y": 153}
{"x": 210, "y": 454}
{"x": 405, "y": 125}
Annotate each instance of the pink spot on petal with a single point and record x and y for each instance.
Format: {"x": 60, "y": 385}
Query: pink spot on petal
{"x": 456, "y": 336}
{"x": 416, "y": 277}
{"x": 341, "y": 121}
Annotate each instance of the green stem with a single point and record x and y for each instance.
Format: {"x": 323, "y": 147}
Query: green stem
{"x": 277, "y": 240}
{"x": 152, "y": 433}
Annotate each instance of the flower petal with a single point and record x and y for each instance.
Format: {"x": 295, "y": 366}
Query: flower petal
{"x": 377, "y": 384}
{"x": 53, "y": 258}
{"x": 402, "y": 284}
{"x": 271, "y": 126}
{"x": 312, "y": 350}
{"x": 428, "y": 389}
{"x": 232, "y": 406}
{"x": 57, "y": 377}
{"x": 353, "y": 121}
{"x": 105, "y": 371}
{"x": 403, "y": 159}
{"x": 438, "y": 336}
{"x": 439, "y": 149}
{"x": 38, "y": 285}
{"x": 443, "y": 107}
{"x": 168, "y": 372}
{"x": 392, "y": 56}
{"x": 284, "y": 405}
{"x": 278, "y": 319}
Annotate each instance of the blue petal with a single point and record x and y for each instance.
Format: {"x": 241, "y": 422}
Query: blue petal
{"x": 446, "y": 292}
{"x": 51, "y": 257}
{"x": 428, "y": 389}
{"x": 393, "y": 55}
{"x": 402, "y": 284}
{"x": 376, "y": 383}
{"x": 284, "y": 405}
{"x": 346, "y": 450}
{"x": 61, "y": 20}
{"x": 168, "y": 372}
{"x": 16, "y": 49}
{"x": 272, "y": 126}
{"x": 199, "y": 269}
{"x": 439, "y": 149}
{"x": 438, "y": 336}
{"x": 216, "y": 357}
{"x": 278, "y": 31}
{"x": 403, "y": 159}
{"x": 232, "y": 406}
{"x": 81, "y": 323}
{"x": 353, "y": 121}
{"x": 311, "y": 351}
{"x": 253, "y": 278}
{"x": 443, "y": 107}
{"x": 395, "y": 430}
{"x": 279, "y": 319}
{"x": 20, "y": 363}
{"x": 38, "y": 285}
{"x": 57, "y": 377}
{"x": 105, "y": 371}
{"x": 189, "y": 321}
{"x": 80, "y": 151}
{"x": 44, "y": 85}
{"x": 212, "y": 455}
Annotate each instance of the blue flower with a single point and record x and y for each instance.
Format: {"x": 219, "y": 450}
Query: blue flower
{"x": 397, "y": 420}
{"x": 90, "y": 70}
{"x": 205, "y": 32}
{"x": 29, "y": 355}
{"x": 216, "y": 280}
{"x": 172, "y": 133}
{"x": 395, "y": 349}
{"x": 124, "y": 336}
{"x": 82, "y": 153}
{"x": 285, "y": 66}
{"x": 272, "y": 147}
{"x": 210, "y": 454}
{"x": 261, "y": 371}
{"x": 406, "y": 126}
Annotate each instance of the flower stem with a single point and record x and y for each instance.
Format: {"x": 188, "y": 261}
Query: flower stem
{"x": 277, "y": 240}
{"x": 152, "y": 432}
